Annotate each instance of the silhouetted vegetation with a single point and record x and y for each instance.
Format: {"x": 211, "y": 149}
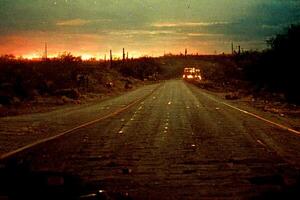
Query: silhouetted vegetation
{"x": 277, "y": 68}
{"x": 23, "y": 79}
{"x": 141, "y": 68}
{"x": 68, "y": 76}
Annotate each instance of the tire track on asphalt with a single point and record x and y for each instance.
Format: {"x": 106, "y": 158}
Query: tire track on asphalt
{"x": 86, "y": 124}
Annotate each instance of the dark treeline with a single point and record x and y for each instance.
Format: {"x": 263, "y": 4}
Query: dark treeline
{"x": 277, "y": 68}
{"x": 140, "y": 68}
{"x": 24, "y": 79}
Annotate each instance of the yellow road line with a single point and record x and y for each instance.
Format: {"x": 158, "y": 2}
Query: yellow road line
{"x": 263, "y": 119}
{"x": 257, "y": 116}
{"x": 9, "y": 154}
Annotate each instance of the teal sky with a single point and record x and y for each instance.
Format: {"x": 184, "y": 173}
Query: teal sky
{"x": 143, "y": 27}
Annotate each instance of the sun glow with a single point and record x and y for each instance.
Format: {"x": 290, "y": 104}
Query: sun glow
{"x": 31, "y": 56}
{"x": 87, "y": 56}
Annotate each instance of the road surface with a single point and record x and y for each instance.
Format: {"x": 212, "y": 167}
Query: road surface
{"x": 174, "y": 142}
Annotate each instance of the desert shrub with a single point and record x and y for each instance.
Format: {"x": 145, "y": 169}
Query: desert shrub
{"x": 139, "y": 68}
{"x": 277, "y": 68}
{"x": 23, "y": 78}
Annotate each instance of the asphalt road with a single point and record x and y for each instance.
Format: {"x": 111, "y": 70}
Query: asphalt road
{"x": 178, "y": 143}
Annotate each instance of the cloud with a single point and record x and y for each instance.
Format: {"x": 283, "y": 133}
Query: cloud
{"x": 141, "y": 32}
{"x": 187, "y": 24}
{"x": 73, "y": 22}
{"x": 165, "y": 35}
{"x": 272, "y": 27}
{"x": 204, "y": 34}
{"x": 79, "y": 22}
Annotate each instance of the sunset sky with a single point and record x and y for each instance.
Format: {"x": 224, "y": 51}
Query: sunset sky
{"x": 143, "y": 27}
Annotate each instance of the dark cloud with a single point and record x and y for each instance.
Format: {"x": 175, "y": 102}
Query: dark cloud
{"x": 147, "y": 23}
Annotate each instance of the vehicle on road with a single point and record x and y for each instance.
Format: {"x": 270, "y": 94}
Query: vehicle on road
{"x": 191, "y": 73}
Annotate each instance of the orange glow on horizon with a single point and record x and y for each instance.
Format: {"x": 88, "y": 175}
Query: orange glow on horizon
{"x": 84, "y": 56}
{"x": 89, "y": 56}
{"x": 31, "y": 56}
{"x": 29, "y": 46}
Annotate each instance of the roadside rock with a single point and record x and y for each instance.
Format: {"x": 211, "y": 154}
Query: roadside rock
{"x": 46, "y": 87}
{"x": 67, "y": 99}
{"x": 70, "y": 93}
{"x": 128, "y": 85}
{"x": 16, "y": 100}
{"x": 33, "y": 93}
{"x": 232, "y": 96}
{"x": 109, "y": 85}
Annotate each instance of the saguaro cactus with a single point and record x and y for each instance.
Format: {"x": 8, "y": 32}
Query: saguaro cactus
{"x": 123, "y": 54}
{"x": 111, "y": 58}
{"x": 46, "y": 52}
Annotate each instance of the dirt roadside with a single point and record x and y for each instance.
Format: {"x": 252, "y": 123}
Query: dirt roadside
{"x": 47, "y": 103}
{"x": 265, "y": 103}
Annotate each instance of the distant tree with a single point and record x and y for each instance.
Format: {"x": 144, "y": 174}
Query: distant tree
{"x": 286, "y": 43}
{"x": 140, "y": 68}
{"x": 277, "y": 68}
{"x": 284, "y": 57}
{"x": 67, "y": 57}
{"x": 7, "y": 57}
